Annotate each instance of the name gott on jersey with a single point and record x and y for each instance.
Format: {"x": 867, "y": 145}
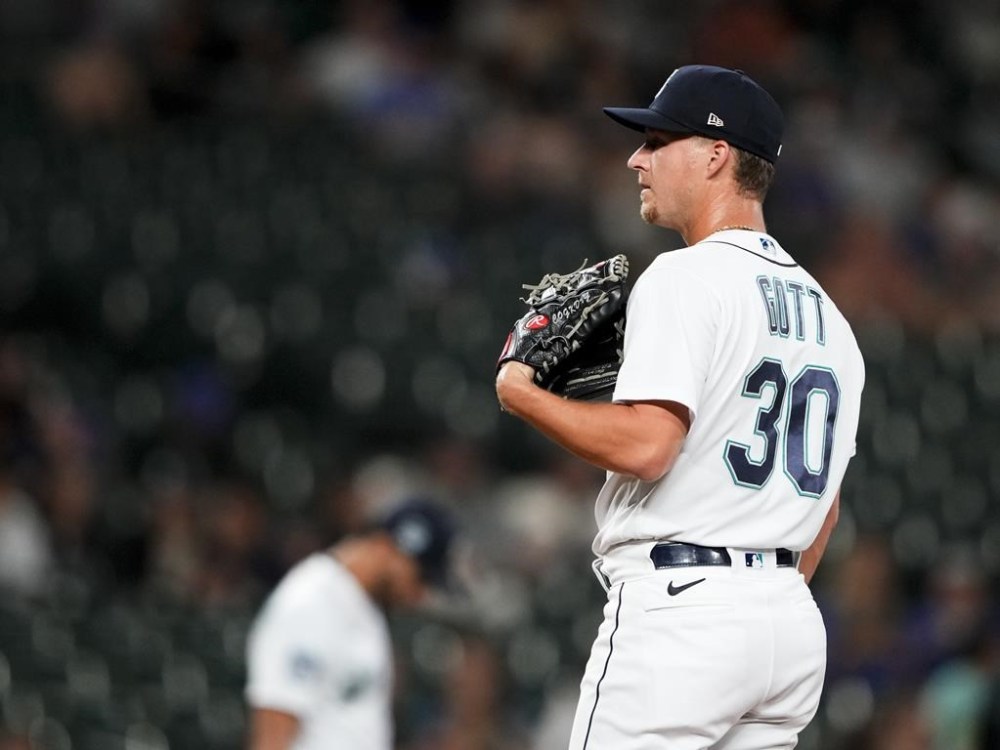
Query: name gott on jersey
{"x": 792, "y": 307}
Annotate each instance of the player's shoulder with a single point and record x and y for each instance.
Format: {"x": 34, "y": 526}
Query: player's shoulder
{"x": 683, "y": 260}
{"x": 701, "y": 269}
{"x": 315, "y": 579}
{"x": 735, "y": 248}
{"x": 677, "y": 257}
{"x": 318, "y": 592}
{"x": 840, "y": 331}
{"x": 848, "y": 337}
{"x": 729, "y": 250}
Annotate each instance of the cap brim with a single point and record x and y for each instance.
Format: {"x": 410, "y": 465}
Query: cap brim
{"x": 640, "y": 119}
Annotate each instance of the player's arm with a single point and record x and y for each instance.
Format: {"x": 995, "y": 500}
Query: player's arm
{"x": 285, "y": 672}
{"x": 272, "y": 730}
{"x": 809, "y": 559}
{"x": 640, "y": 439}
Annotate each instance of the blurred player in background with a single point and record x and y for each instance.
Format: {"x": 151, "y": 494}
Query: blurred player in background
{"x": 319, "y": 656}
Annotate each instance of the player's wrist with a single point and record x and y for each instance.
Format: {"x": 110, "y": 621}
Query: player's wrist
{"x": 513, "y": 378}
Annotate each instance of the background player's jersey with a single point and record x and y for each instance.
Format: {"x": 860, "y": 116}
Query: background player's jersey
{"x": 736, "y": 331}
{"x": 320, "y": 651}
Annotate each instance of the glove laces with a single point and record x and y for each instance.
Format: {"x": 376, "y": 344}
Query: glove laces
{"x": 558, "y": 283}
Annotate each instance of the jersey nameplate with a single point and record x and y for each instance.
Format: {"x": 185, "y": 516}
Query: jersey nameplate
{"x": 792, "y": 306}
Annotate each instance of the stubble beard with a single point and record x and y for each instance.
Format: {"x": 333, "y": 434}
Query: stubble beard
{"x": 648, "y": 213}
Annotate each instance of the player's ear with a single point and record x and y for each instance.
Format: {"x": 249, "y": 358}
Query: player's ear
{"x": 719, "y": 155}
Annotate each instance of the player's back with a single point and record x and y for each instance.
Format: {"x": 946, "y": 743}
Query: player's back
{"x": 775, "y": 394}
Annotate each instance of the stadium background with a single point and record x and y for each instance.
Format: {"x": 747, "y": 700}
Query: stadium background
{"x": 257, "y": 258}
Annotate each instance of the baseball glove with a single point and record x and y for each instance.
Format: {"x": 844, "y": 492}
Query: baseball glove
{"x": 573, "y": 332}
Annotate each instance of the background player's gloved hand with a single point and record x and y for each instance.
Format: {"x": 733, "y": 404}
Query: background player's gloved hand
{"x": 573, "y": 331}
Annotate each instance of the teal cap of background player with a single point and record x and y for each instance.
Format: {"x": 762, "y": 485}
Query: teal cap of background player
{"x": 713, "y": 102}
{"x": 423, "y": 530}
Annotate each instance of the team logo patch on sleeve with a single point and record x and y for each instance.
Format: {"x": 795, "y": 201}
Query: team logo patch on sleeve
{"x": 305, "y": 667}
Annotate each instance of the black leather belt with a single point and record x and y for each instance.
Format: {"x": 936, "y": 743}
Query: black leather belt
{"x": 680, "y": 555}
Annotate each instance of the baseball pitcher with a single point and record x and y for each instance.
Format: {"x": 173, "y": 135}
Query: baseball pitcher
{"x": 736, "y": 391}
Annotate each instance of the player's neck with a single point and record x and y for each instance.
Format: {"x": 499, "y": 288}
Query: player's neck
{"x": 725, "y": 213}
{"x": 362, "y": 559}
{"x": 372, "y": 560}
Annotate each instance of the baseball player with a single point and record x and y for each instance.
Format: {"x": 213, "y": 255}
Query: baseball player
{"x": 731, "y": 425}
{"x": 319, "y": 658}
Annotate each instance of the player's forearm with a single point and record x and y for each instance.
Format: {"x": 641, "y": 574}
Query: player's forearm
{"x": 639, "y": 440}
{"x": 809, "y": 559}
{"x": 272, "y": 730}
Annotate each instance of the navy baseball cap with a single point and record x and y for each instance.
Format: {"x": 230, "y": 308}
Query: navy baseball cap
{"x": 422, "y": 530}
{"x": 713, "y": 102}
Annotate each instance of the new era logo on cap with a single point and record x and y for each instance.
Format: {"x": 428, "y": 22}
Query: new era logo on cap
{"x": 422, "y": 530}
{"x": 714, "y": 119}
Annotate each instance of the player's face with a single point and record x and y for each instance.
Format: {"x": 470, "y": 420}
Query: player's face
{"x": 405, "y": 586}
{"x": 665, "y": 166}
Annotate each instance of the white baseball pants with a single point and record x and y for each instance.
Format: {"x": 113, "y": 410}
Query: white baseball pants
{"x": 733, "y": 662}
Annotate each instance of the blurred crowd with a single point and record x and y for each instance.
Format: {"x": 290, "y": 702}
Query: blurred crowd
{"x": 464, "y": 154}
{"x": 889, "y": 172}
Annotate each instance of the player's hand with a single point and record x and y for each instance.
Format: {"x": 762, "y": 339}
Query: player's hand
{"x": 513, "y": 375}
{"x": 573, "y": 332}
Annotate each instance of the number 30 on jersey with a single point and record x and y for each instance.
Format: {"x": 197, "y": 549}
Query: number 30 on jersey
{"x": 805, "y": 439}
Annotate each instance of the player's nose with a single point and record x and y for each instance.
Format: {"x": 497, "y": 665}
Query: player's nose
{"x": 638, "y": 160}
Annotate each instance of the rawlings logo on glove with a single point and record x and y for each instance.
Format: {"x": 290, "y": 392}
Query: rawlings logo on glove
{"x": 574, "y": 331}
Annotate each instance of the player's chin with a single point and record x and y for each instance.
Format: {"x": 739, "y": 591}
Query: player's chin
{"x": 648, "y": 213}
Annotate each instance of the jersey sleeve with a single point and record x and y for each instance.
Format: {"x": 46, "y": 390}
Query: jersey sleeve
{"x": 669, "y": 338}
{"x": 288, "y": 661}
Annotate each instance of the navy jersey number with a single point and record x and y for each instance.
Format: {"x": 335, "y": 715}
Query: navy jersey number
{"x": 813, "y": 388}
{"x": 769, "y": 375}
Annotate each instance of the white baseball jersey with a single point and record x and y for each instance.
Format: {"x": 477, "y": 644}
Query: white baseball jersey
{"x": 727, "y": 657}
{"x": 734, "y": 329}
{"x": 320, "y": 650}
